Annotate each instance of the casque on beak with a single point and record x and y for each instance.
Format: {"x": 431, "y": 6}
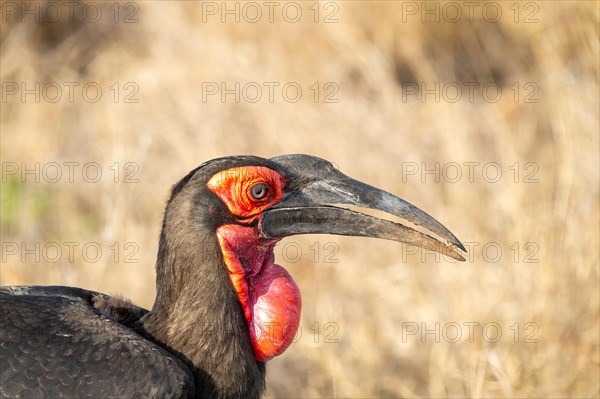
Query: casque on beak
{"x": 316, "y": 187}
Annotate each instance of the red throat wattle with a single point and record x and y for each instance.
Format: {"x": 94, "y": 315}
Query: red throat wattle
{"x": 268, "y": 294}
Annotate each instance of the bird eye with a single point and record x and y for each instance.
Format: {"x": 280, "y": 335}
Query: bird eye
{"x": 259, "y": 191}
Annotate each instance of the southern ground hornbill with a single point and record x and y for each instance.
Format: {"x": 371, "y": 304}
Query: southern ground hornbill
{"x": 223, "y": 307}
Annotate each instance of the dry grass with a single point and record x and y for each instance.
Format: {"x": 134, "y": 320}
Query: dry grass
{"x": 371, "y": 295}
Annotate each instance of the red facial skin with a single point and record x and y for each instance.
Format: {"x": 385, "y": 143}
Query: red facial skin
{"x": 268, "y": 294}
{"x": 233, "y": 188}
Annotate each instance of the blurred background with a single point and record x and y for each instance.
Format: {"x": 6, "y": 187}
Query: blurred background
{"x": 484, "y": 114}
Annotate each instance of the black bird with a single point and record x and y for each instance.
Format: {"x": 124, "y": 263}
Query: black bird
{"x": 223, "y": 307}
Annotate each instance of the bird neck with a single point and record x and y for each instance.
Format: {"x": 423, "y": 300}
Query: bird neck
{"x": 198, "y": 317}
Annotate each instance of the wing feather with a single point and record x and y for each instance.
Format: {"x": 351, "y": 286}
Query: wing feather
{"x": 55, "y": 344}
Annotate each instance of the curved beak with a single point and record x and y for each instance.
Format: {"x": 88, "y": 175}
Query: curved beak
{"x": 314, "y": 189}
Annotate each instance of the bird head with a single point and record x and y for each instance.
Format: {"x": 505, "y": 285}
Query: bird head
{"x": 250, "y": 203}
